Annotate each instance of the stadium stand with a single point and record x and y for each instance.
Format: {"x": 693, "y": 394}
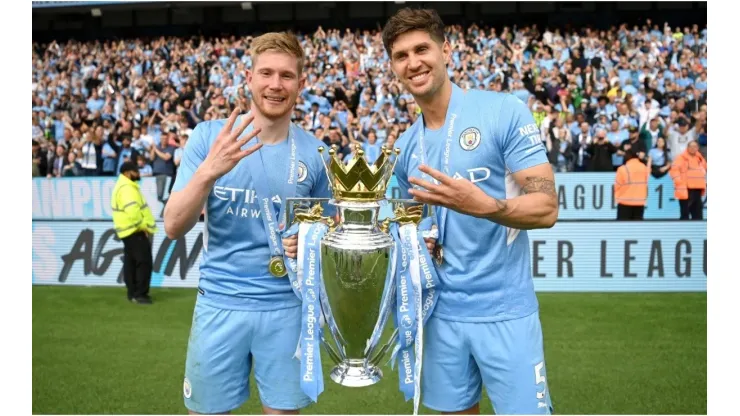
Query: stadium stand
{"x": 96, "y": 103}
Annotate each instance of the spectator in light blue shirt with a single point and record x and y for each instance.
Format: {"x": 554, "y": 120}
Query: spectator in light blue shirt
{"x": 94, "y": 103}
{"x": 701, "y": 83}
{"x": 659, "y": 159}
{"x": 144, "y": 168}
{"x": 110, "y": 160}
{"x": 126, "y": 153}
{"x": 617, "y": 134}
{"x": 372, "y": 147}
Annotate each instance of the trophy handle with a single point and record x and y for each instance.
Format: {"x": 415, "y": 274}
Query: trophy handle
{"x": 297, "y": 211}
{"x": 405, "y": 211}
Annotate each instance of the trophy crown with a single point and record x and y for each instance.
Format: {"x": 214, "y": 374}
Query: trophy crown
{"x": 358, "y": 180}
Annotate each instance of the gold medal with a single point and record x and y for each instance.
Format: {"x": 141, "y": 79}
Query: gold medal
{"x": 277, "y": 267}
{"x": 439, "y": 254}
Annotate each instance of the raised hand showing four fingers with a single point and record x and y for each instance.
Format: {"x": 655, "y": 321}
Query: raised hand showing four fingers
{"x": 226, "y": 150}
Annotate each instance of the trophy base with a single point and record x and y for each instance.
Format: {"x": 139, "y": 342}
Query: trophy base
{"x": 356, "y": 374}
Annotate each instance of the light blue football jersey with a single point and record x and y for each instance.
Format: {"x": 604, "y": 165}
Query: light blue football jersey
{"x": 486, "y": 275}
{"x": 234, "y": 261}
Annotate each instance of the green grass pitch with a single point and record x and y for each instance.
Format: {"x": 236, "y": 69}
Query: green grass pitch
{"x": 93, "y": 352}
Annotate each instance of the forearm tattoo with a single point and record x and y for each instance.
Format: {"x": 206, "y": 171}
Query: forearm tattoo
{"x": 501, "y": 204}
{"x": 539, "y": 184}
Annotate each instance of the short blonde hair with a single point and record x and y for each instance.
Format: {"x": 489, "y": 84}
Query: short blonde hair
{"x": 285, "y": 42}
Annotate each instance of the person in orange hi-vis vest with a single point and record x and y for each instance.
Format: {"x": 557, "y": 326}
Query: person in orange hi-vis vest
{"x": 631, "y": 188}
{"x": 689, "y": 173}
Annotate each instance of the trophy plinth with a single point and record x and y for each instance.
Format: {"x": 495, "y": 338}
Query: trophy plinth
{"x": 356, "y": 373}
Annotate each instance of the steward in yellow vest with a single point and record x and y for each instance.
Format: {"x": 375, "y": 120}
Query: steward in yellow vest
{"x": 134, "y": 225}
{"x": 131, "y": 213}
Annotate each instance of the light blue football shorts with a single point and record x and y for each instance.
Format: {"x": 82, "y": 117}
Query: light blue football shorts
{"x": 507, "y": 356}
{"x": 225, "y": 344}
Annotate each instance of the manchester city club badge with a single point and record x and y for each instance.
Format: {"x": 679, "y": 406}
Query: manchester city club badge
{"x": 186, "y": 389}
{"x": 302, "y": 172}
{"x": 470, "y": 138}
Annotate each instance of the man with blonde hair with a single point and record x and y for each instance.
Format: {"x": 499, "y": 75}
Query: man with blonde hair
{"x": 246, "y": 313}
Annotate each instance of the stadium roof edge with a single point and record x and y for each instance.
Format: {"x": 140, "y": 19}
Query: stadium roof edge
{"x": 64, "y": 4}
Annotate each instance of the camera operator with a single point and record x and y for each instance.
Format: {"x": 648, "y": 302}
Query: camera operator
{"x": 601, "y": 151}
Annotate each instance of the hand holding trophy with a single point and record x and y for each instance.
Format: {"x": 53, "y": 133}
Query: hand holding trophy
{"x": 354, "y": 273}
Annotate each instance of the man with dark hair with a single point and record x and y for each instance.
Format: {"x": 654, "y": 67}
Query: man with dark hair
{"x": 601, "y": 151}
{"x": 39, "y": 161}
{"x": 479, "y": 158}
{"x": 634, "y": 143}
{"x": 134, "y": 224}
{"x": 163, "y": 167}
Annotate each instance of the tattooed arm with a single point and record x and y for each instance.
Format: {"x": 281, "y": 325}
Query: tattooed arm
{"x": 536, "y": 207}
{"x": 524, "y": 154}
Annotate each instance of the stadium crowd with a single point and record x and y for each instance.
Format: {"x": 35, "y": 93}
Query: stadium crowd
{"x": 593, "y": 93}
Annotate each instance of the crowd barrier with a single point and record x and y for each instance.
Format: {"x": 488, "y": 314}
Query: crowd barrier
{"x": 581, "y": 196}
{"x": 74, "y": 242}
{"x": 658, "y": 256}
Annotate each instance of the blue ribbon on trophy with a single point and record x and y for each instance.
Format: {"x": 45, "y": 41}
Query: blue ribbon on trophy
{"x": 291, "y": 263}
{"x": 312, "y": 380}
{"x": 305, "y": 275}
{"x": 417, "y": 292}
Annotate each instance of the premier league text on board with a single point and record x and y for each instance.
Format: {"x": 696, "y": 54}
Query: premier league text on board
{"x": 658, "y": 256}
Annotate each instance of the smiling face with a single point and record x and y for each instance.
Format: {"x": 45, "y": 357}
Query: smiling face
{"x": 420, "y": 63}
{"x": 276, "y": 77}
{"x": 415, "y": 41}
{"x": 275, "y": 84}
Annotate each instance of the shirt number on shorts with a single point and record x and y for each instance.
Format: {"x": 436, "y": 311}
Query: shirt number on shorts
{"x": 540, "y": 379}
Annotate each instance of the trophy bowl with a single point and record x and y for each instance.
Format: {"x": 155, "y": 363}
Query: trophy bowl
{"x": 355, "y": 258}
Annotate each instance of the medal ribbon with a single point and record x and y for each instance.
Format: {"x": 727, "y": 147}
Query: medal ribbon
{"x": 440, "y": 213}
{"x": 270, "y": 216}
